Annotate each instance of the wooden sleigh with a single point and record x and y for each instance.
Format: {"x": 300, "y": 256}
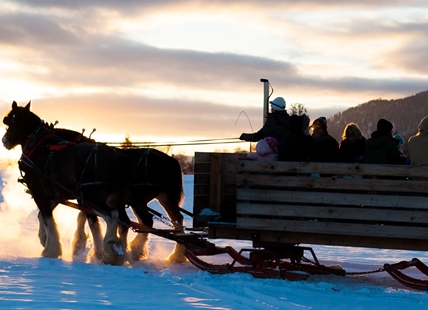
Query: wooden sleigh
{"x": 279, "y": 205}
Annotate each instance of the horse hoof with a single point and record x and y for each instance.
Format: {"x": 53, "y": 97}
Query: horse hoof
{"x": 113, "y": 260}
{"x": 118, "y": 249}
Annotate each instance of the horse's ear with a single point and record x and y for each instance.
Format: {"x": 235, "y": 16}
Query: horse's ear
{"x": 28, "y": 106}
{"x": 14, "y": 104}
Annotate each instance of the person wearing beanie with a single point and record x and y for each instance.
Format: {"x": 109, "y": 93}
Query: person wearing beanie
{"x": 276, "y": 125}
{"x": 381, "y": 147}
{"x": 417, "y": 146}
{"x": 326, "y": 147}
{"x": 399, "y": 140}
{"x": 265, "y": 150}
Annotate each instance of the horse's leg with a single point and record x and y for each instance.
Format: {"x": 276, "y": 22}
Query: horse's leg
{"x": 172, "y": 208}
{"x": 42, "y": 230}
{"x": 53, "y": 248}
{"x": 124, "y": 225}
{"x": 140, "y": 245}
{"x": 97, "y": 237}
{"x": 112, "y": 245}
{"x": 78, "y": 244}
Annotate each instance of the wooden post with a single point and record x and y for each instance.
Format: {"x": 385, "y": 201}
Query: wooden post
{"x": 216, "y": 181}
{"x": 265, "y": 98}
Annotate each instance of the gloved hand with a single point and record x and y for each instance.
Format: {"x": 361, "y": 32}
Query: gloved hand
{"x": 243, "y": 137}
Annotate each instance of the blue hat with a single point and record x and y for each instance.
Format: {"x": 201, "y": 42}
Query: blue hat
{"x": 278, "y": 104}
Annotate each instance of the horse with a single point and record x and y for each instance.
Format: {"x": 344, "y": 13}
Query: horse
{"x": 56, "y": 170}
{"x": 157, "y": 176}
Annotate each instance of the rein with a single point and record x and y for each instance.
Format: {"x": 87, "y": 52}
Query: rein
{"x": 27, "y": 161}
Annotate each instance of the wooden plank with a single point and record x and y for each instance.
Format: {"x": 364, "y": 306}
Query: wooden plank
{"x": 204, "y": 189}
{"x": 200, "y": 190}
{"x": 201, "y": 168}
{"x": 368, "y": 200}
{"x": 216, "y": 184}
{"x": 206, "y": 156}
{"x": 333, "y": 168}
{"x": 231, "y": 232}
{"x": 334, "y": 228}
{"x": 397, "y": 186}
{"x": 334, "y": 213}
{"x": 204, "y": 179}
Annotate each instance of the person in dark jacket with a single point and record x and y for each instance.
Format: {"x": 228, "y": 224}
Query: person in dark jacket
{"x": 297, "y": 145}
{"x": 418, "y": 144}
{"x": 326, "y": 147}
{"x": 351, "y": 148}
{"x": 276, "y": 125}
{"x": 381, "y": 147}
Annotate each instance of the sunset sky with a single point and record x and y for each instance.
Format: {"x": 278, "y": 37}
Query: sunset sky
{"x": 185, "y": 70}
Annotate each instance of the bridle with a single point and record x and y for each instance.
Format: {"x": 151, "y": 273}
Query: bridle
{"x": 11, "y": 127}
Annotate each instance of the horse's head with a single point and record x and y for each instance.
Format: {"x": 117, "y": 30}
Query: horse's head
{"x": 20, "y": 122}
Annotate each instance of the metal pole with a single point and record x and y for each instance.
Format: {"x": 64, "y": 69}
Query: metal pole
{"x": 265, "y": 98}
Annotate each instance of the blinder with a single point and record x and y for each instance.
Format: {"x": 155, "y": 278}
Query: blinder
{"x": 8, "y": 122}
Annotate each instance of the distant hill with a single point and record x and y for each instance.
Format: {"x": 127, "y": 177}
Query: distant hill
{"x": 405, "y": 114}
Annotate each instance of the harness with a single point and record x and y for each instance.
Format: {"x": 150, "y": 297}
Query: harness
{"x": 43, "y": 137}
{"x": 145, "y": 158}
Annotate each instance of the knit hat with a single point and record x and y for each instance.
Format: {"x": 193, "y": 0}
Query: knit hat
{"x": 384, "y": 126}
{"x": 320, "y": 122}
{"x": 278, "y": 104}
{"x": 400, "y": 140}
{"x": 272, "y": 142}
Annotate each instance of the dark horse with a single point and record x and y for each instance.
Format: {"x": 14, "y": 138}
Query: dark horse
{"x": 56, "y": 170}
{"x": 157, "y": 176}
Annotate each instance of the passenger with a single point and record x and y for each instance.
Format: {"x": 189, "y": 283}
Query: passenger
{"x": 351, "y": 148}
{"x": 417, "y": 146}
{"x": 381, "y": 147}
{"x": 276, "y": 125}
{"x": 297, "y": 145}
{"x": 326, "y": 147}
{"x": 265, "y": 150}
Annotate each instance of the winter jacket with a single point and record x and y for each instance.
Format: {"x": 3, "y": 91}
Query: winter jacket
{"x": 263, "y": 152}
{"x": 296, "y": 146}
{"x": 326, "y": 149}
{"x": 276, "y": 126}
{"x": 352, "y": 152}
{"x": 381, "y": 149}
{"x": 417, "y": 147}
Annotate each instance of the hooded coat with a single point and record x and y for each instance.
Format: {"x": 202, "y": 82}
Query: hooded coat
{"x": 276, "y": 126}
{"x": 382, "y": 149}
{"x": 417, "y": 146}
{"x": 263, "y": 152}
{"x": 296, "y": 146}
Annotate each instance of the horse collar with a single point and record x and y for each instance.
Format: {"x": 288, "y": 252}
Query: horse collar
{"x": 36, "y": 138}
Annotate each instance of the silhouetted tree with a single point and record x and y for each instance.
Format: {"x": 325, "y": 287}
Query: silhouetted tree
{"x": 298, "y": 109}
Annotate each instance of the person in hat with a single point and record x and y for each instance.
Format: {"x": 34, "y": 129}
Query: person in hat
{"x": 266, "y": 149}
{"x": 276, "y": 125}
{"x": 381, "y": 147}
{"x": 417, "y": 146}
{"x": 326, "y": 147}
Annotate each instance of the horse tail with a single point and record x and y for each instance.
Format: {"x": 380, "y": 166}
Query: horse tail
{"x": 176, "y": 180}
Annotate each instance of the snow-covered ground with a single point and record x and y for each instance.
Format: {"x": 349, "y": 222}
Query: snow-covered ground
{"x": 30, "y": 282}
